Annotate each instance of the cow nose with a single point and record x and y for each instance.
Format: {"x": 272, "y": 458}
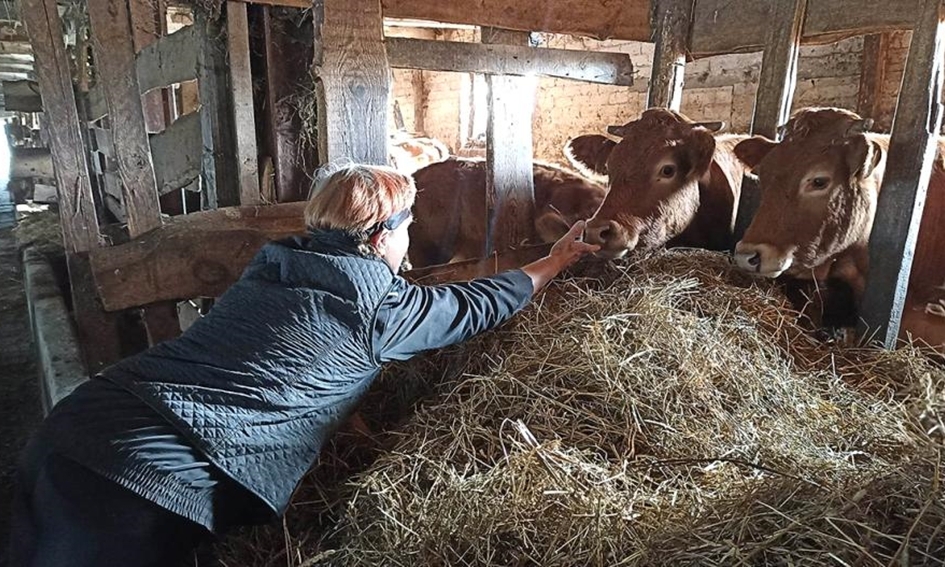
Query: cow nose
{"x": 754, "y": 260}
{"x": 599, "y": 234}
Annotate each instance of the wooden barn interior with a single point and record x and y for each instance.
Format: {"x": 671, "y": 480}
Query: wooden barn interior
{"x": 166, "y": 141}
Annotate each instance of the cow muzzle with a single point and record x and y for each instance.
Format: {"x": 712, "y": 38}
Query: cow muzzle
{"x": 615, "y": 241}
{"x": 762, "y": 259}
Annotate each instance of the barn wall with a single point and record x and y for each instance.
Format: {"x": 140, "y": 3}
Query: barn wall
{"x": 717, "y": 88}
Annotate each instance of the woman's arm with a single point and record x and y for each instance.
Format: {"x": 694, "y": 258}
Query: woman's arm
{"x": 415, "y": 318}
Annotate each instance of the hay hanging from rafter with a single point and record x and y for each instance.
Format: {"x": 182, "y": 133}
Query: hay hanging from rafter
{"x": 665, "y": 412}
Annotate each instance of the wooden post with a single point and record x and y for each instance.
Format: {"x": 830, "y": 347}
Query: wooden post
{"x": 112, "y": 40}
{"x": 220, "y": 187}
{"x": 80, "y": 233}
{"x": 510, "y": 186}
{"x": 673, "y": 21}
{"x": 912, "y": 150}
{"x": 148, "y": 24}
{"x": 241, "y": 90}
{"x": 872, "y": 74}
{"x": 352, "y": 80}
{"x": 775, "y": 91}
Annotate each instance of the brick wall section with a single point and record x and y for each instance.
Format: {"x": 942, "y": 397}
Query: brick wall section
{"x": 716, "y": 88}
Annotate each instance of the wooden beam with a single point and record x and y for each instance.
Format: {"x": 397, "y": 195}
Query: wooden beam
{"x": 241, "y": 91}
{"x": 912, "y": 152}
{"x": 112, "y": 42}
{"x": 510, "y": 190}
{"x": 177, "y": 154}
{"x": 673, "y": 24}
{"x": 195, "y": 255}
{"x": 872, "y": 74}
{"x": 171, "y": 60}
{"x": 592, "y": 67}
{"x": 219, "y": 188}
{"x": 15, "y": 47}
{"x": 352, "y": 80}
{"x": 80, "y": 232}
{"x": 148, "y": 25}
{"x": 202, "y": 254}
{"x": 590, "y": 18}
{"x": 775, "y": 92}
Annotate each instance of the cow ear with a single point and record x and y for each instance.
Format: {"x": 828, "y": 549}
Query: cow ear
{"x": 701, "y": 148}
{"x": 753, "y": 150}
{"x": 863, "y": 155}
{"x": 589, "y": 153}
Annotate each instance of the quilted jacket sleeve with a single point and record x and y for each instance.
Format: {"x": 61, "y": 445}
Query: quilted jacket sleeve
{"x": 415, "y": 318}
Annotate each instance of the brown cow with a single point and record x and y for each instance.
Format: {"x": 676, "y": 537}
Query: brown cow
{"x": 820, "y": 188}
{"x": 451, "y": 208}
{"x": 409, "y": 153}
{"x": 672, "y": 182}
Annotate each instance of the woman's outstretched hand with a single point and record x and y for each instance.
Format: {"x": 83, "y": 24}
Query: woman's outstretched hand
{"x": 566, "y": 251}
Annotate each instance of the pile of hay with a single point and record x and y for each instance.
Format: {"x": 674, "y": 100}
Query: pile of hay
{"x": 40, "y": 229}
{"x": 665, "y": 412}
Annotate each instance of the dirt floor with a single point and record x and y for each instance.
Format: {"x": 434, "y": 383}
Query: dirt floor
{"x": 20, "y": 408}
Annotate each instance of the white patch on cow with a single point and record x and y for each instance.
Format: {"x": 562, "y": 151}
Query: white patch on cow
{"x": 936, "y": 308}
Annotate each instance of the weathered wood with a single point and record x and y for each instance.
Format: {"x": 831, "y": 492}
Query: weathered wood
{"x": 148, "y": 24}
{"x": 241, "y": 90}
{"x": 112, "y": 42}
{"x": 510, "y": 191}
{"x": 737, "y": 26}
{"x": 872, "y": 74}
{"x": 196, "y": 255}
{"x": 9, "y": 11}
{"x": 775, "y": 92}
{"x": 22, "y": 96}
{"x": 172, "y": 59}
{"x": 31, "y": 162}
{"x": 220, "y": 188}
{"x": 592, "y": 67}
{"x": 77, "y": 210}
{"x": 80, "y": 232}
{"x": 673, "y": 22}
{"x": 912, "y": 152}
{"x": 202, "y": 254}
{"x": 15, "y": 47}
{"x": 352, "y": 81}
{"x": 177, "y": 154}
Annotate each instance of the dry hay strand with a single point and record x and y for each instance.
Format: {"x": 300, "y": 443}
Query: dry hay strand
{"x": 40, "y": 230}
{"x": 663, "y": 412}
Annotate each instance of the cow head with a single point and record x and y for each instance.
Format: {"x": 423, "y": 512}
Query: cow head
{"x": 653, "y": 171}
{"x": 819, "y": 188}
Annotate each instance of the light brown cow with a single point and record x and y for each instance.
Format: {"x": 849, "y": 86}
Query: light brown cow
{"x": 820, "y": 188}
{"x": 451, "y": 208}
{"x": 672, "y": 182}
{"x": 410, "y": 153}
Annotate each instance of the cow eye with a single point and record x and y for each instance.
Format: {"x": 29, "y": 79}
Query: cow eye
{"x": 819, "y": 183}
{"x": 668, "y": 171}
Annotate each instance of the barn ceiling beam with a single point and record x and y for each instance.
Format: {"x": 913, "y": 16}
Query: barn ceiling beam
{"x": 592, "y": 67}
{"x": 719, "y": 26}
{"x": 912, "y": 153}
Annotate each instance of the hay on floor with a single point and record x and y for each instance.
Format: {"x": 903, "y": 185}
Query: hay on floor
{"x": 664, "y": 412}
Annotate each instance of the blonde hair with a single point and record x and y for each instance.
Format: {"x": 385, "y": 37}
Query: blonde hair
{"x": 355, "y": 198}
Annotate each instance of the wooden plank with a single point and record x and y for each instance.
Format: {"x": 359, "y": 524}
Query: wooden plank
{"x": 510, "y": 191}
{"x": 219, "y": 187}
{"x": 195, "y": 255}
{"x": 241, "y": 91}
{"x": 80, "y": 230}
{"x": 15, "y": 47}
{"x": 592, "y": 67}
{"x": 673, "y": 24}
{"x": 22, "y": 96}
{"x": 115, "y": 62}
{"x": 202, "y": 254}
{"x": 590, "y": 18}
{"x": 54, "y": 76}
{"x": 353, "y": 81}
{"x": 148, "y": 24}
{"x": 738, "y": 26}
{"x": 912, "y": 153}
{"x": 172, "y": 59}
{"x": 177, "y": 154}
{"x": 872, "y": 74}
{"x": 775, "y": 92}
